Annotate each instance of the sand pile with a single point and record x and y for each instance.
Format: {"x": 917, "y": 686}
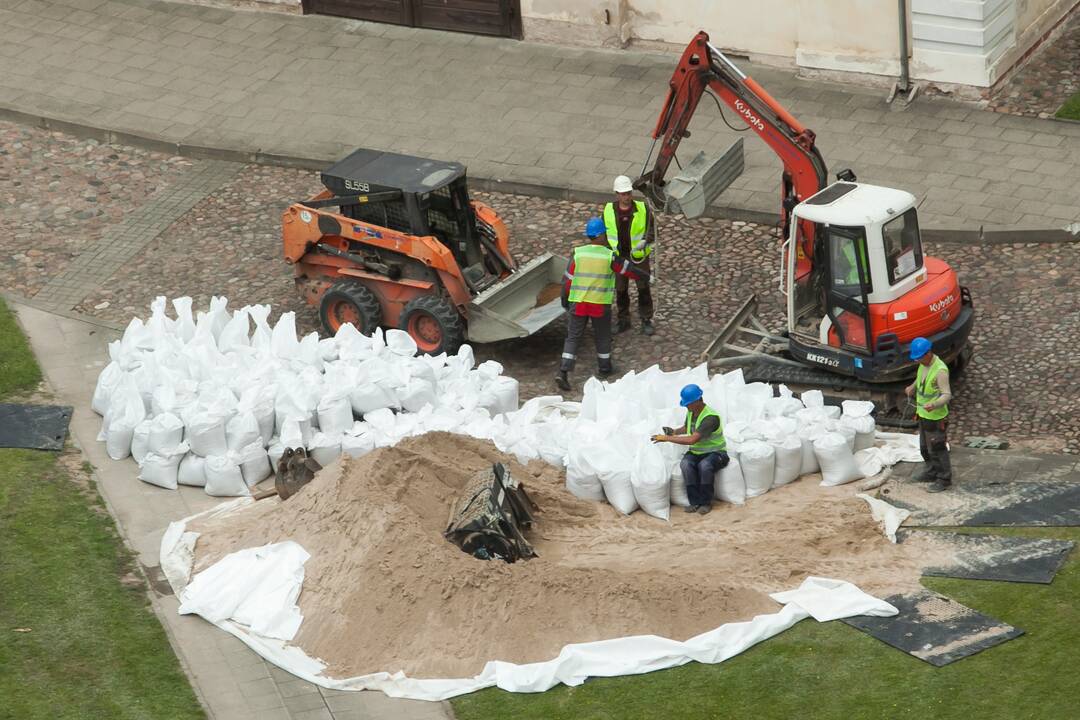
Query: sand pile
{"x": 384, "y": 591}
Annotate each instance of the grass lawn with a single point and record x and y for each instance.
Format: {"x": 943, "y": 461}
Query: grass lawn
{"x": 77, "y": 636}
{"x": 1071, "y": 109}
{"x": 830, "y": 670}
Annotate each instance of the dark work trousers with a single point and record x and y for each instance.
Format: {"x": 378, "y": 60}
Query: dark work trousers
{"x": 935, "y": 449}
{"x": 575, "y": 330}
{"x": 699, "y": 472}
{"x": 644, "y": 294}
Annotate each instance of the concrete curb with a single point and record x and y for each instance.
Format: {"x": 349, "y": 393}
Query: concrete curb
{"x": 16, "y": 299}
{"x": 513, "y": 187}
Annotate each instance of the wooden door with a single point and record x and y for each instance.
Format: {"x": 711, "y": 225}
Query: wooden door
{"x": 481, "y": 17}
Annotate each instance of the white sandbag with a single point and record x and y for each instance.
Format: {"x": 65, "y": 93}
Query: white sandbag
{"x": 335, "y": 414}
{"x": 789, "y": 457}
{"x": 126, "y": 411}
{"x": 274, "y": 451}
{"x": 400, "y": 343}
{"x": 863, "y": 426}
{"x": 324, "y": 448}
{"x": 813, "y": 399}
{"x": 140, "y": 441}
{"x": 807, "y": 435}
{"x": 192, "y": 471}
{"x": 357, "y": 445}
{"x": 254, "y": 463}
{"x": 369, "y": 396}
{"x": 224, "y": 477}
{"x": 283, "y": 342}
{"x": 234, "y": 334}
{"x": 161, "y": 469}
{"x": 173, "y": 397}
{"x": 242, "y": 430}
{"x": 107, "y": 383}
{"x": 292, "y": 435}
{"x": 166, "y": 432}
{"x": 582, "y": 479}
{"x": 185, "y": 322}
{"x": 857, "y": 408}
{"x": 758, "y": 461}
{"x": 836, "y": 459}
{"x": 505, "y": 391}
{"x": 677, "y": 486}
{"x": 832, "y": 412}
{"x": 729, "y": 484}
{"x": 848, "y": 432}
{"x": 618, "y": 490}
{"x": 651, "y": 481}
{"x": 416, "y": 394}
{"x": 206, "y": 434}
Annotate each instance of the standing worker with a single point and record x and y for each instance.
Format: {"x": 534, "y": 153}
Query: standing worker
{"x": 630, "y": 234}
{"x": 932, "y": 395}
{"x": 588, "y": 290}
{"x": 708, "y": 449}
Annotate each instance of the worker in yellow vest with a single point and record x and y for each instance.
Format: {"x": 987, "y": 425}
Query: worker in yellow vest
{"x": 706, "y": 448}
{"x": 630, "y": 235}
{"x": 588, "y": 289}
{"x": 932, "y": 394}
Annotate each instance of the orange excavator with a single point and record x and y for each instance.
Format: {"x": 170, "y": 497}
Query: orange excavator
{"x": 858, "y": 287}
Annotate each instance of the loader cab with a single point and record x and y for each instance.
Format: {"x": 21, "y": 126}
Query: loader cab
{"x": 850, "y": 247}
{"x": 409, "y": 194}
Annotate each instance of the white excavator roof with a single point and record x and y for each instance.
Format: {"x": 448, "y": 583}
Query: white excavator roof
{"x": 855, "y": 204}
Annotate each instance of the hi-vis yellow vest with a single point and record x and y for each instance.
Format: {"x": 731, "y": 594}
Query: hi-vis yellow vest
{"x": 711, "y": 444}
{"x": 926, "y": 390}
{"x": 639, "y": 249}
{"x": 594, "y": 280}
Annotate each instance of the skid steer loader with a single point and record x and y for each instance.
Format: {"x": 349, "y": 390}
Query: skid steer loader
{"x": 395, "y": 241}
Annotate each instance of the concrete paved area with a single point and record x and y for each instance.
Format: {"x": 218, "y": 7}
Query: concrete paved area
{"x": 534, "y": 115}
{"x": 232, "y": 682}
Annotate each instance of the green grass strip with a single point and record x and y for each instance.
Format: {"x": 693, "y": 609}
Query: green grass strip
{"x": 19, "y": 371}
{"x": 1071, "y": 109}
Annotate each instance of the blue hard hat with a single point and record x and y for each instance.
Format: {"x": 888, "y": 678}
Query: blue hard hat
{"x": 595, "y": 227}
{"x": 689, "y": 394}
{"x": 919, "y": 347}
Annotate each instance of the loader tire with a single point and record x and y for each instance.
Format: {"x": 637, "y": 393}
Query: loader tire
{"x": 434, "y": 323}
{"x": 349, "y": 301}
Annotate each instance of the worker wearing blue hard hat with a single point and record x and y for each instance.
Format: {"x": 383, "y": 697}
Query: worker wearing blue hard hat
{"x": 706, "y": 451}
{"x": 932, "y": 393}
{"x": 588, "y": 291}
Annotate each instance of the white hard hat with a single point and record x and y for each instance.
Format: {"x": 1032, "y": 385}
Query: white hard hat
{"x": 623, "y": 184}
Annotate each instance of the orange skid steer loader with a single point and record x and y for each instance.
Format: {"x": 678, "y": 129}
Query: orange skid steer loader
{"x": 395, "y": 241}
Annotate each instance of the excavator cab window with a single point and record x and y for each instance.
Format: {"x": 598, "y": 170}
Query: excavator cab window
{"x": 848, "y": 285}
{"x": 903, "y": 246}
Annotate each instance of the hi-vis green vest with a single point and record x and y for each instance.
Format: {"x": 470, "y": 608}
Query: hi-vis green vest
{"x": 639, "y": 250}
{"x": 594, "y": 280}
{"x": 926, "y": 390}
{"x": 852, "y": 269}
{"x": 711, "y": 444}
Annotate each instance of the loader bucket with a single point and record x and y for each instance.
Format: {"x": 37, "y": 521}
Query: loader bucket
{"x": 520, "y": 305}
{"x": 695, "y": 187}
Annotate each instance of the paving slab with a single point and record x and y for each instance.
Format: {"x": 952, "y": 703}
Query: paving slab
{"x": 231, "y": 681}
{"x": 303, "y": 86}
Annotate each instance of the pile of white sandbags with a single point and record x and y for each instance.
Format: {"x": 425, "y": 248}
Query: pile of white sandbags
{"x": 214, "y": 400}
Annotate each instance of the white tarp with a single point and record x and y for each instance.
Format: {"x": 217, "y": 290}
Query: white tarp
{"x": 256, "y": 589}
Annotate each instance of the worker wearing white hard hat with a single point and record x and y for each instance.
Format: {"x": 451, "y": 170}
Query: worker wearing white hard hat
{"x": 630, "y": 235}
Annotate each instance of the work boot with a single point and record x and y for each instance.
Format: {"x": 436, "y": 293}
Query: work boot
{"x": 562, "y": 381}
{"x": 622, "y": 325}
{"x": 606, "y": 371}
{"x": 923, "y": 475}
{"x": 690, "y": 508}
{"x": 704, "y": 509}
{"x": 647, "y": 327}
{"x": 939, "y": 486}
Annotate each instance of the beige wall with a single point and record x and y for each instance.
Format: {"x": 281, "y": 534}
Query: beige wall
{"x": 856, "y": 35}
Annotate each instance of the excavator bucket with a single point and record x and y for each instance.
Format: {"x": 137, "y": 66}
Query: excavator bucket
{"x": 525, "y": 302}
{"x": 697, "y": 185}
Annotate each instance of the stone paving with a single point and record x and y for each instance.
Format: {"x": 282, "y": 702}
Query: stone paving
{"x": 1049, "y": 78}
{"x": 541, "y": 115}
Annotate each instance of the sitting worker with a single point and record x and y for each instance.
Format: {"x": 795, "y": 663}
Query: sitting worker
{"x": 707, "y": 449}
{"x": 588, "y": 291}
{"x": 932, "y": 395}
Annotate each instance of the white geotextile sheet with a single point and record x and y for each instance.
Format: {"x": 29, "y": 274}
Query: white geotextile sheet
{"x": 890, "y": 448}
{"x": 274, "y": 574}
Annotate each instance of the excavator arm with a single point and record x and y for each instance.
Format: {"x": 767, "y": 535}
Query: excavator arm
{"x": 704, "y": 69}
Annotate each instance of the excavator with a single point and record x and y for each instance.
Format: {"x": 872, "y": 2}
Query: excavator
{"x": 858, "y": 286}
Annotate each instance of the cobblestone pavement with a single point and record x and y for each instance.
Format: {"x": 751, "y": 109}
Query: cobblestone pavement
{"x": 1050, "y": 77}
{"x": 1021, "y": 385}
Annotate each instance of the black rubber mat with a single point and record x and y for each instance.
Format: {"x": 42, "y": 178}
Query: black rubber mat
{"x": 1016, "y": 504}
{"x": 37, "y": 427}
{"x": 934, "y": 628}
{"x": 996, "y": 557}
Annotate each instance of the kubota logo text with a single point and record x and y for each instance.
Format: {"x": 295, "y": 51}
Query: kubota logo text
{"x": 942, "y": 303}
{"x": 749, "y": 115}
